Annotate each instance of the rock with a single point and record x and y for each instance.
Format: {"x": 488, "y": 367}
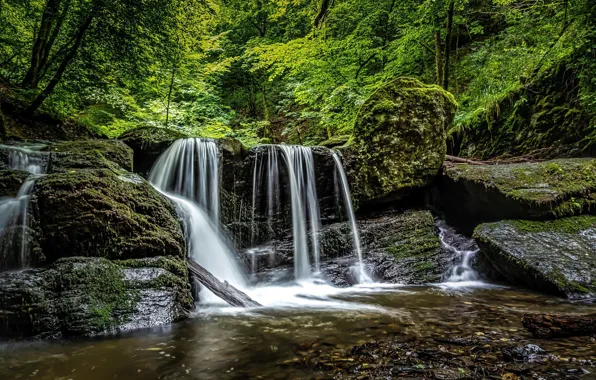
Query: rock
{"x": 88, "y": 296}
{"x": 472, "y": 194}
{"x": 335, "y": 141}
{"x": 90, "y": 154}
{"x": 557, "y": 257}
{"x": 399, "y": 140}
{"x": 101, "y": 214}
{"x": 2, "y": 126}
{"x": 544, "y": 118}
{"x": 148, "y": 143}
{"x": 11, "y": 181}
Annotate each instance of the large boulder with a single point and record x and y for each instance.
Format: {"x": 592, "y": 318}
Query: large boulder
{"x": 474, "y": 194}
{"x": 399, "y": 140}
{"x": 88, "y": 296}
{"x": 102, "y": 214}
{"x": 557, "y": 257}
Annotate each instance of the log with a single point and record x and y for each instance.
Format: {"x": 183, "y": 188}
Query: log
{"x": 223, "y": 290}
{"x": 558, "y": 326}
{"x": 460, "y": 160}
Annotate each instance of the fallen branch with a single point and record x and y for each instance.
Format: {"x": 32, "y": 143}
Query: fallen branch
{"x": 460, "y": 160}
{"x": 558, "y": 326}
{"x": 223, "y": 290}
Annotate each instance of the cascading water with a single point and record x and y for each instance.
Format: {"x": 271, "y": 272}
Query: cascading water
{"x": 190, "y": 169}
{"x": 14, "y": 215}
{"x": 462, "y": 271}
{"x": 266, "y": 167}
{"x": 362, "y": 276}
{"x": 305, "y": 207}
{"x": 188, "y": 172}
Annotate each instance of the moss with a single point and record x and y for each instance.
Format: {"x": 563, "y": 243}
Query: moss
{"x": 149, "y": 135}
{"x": 173, "y": 265}
{"x": 11, "y": 181}
{"x": 91, "y": 154}
{"x": 561, "y": 187}
{"x": 554, "y": 256}
{"x": 98, "y": 213}
{"x": 98, "y": 298}
{"x": 336, "y": 141}
{"x": 399, "y": 139}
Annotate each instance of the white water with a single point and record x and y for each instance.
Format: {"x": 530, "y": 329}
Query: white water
{"x": 462, "y": 271}
{"x": 189, "y": 168}
{"x": 362, "y": 276}
{"x": 14, "y": 220}
{"x": 266, "y": 168}
{"x": 305, "y": 207}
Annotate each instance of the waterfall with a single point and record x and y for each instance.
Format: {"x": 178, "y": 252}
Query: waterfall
{"x": 14, "y": 212}
{"x": 190, "y": 168}
{"x": 462, "y": 270}
{"x": 266, "y": 166}
{"x": 305, "y": 207}
{"x": 188, "y": 174}
{"x": 345, "y": 186}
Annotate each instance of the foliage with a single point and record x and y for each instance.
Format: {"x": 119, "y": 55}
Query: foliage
{"x": 285, "y": 70}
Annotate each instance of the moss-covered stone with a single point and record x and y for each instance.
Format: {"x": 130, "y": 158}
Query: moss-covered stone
{"x": 544, "y": 118}
{"x": 399, "y": 140}
{"x": 472, "y": 194}
{"x": 90, "y": 154}
{"x": 101, "y": 214}
{"x": 336, "y": 141}
{"x": 557, "y": 256}
{"x": 11, "y": 181}
{"x": 88, "y": 296}
{"x": 411, "y": 242}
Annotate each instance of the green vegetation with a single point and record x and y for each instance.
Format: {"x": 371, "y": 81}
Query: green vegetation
{"x": 295, "y": 70}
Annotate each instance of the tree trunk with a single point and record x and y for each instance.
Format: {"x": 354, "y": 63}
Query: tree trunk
{"x": 323, "y": 10}
{"x": 223, "y": 290}
{"x": 63, "y": 65}
{"x": 170, "y": 94}
{"x": 43, "y": 64}
{"x": 558, "y": 326}
{"x": 450, "y": 12}
{"x": 438, "y": 57}
{"x": 48, "y": 18}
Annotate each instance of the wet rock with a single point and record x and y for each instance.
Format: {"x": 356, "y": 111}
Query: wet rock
{"x": 11, "y": 181}
{"x": 527, "y": 353}
{"x": 557, "y": 257}
{"x": 90, "y": 154}
{"x": 98, "y": 213}
{"x": 399, "y": 140}
{"x": 148, "y": 143}
{"x": 87, "y": 296}
{"x": 472, "y": 194}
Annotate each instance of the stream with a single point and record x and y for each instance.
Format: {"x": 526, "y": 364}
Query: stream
{"x": 231, "y": 343}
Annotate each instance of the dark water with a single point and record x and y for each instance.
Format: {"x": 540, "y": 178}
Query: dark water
{"x": 226, "y": 343}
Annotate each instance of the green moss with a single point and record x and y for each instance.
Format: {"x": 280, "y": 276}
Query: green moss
{"x": 336, "y": 141}
{"x": 91, "y": 154}
{"x": 173, "y": 265}
{"x": 98, "y": 213}
{"x": 399, "y": 139}
{"x": 572, "y": 225}
{"x": 562, "y": 187}
{"x": 149, "y": 135}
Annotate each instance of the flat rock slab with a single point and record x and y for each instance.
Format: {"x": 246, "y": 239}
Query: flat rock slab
{"x": 557, "y": 257}
{"x": 473, "y": 194}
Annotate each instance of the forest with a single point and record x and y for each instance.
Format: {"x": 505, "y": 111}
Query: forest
{"x": 280, "y": 70}
{"x": 297, "y": 189}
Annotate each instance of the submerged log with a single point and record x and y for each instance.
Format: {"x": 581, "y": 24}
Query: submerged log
{"x": 459, "y": 160}
{"x": 558, "y": 326}
{"x": 223, "y": 290}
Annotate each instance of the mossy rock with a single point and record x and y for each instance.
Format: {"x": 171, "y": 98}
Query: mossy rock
{"x": 89, "y": 296}
{"x": 2, "y": 126}
{"x": 472, "y": 194}
{"x": 11, "y": 181}
{"x": 545, "y": 119}
{"x": 90, "y": 154}
{"x": 399, "y": 140}
{"x": 556, "y": 257}
{"x": 335, "y": 141}
{"x": 101, "y": 214}
{"x": 404, "y": 248}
